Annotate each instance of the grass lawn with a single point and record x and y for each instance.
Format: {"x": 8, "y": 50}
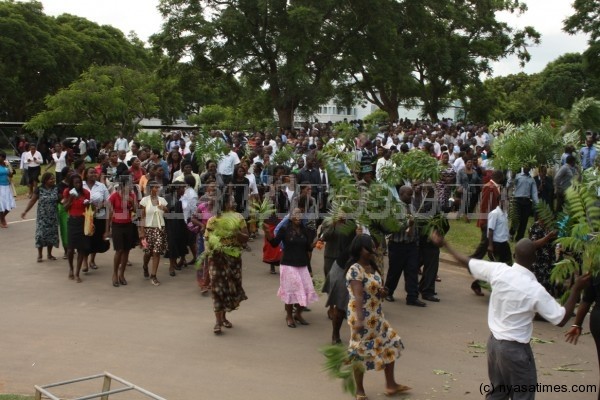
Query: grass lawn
{"x": 15, "y": 397}
{"x": 464, "y": 237}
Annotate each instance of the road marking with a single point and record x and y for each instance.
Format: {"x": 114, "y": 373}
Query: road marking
{"x": 24, "y": 220}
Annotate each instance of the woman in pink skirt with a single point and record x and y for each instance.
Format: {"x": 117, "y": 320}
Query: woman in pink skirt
{"x": 295, "y": 283}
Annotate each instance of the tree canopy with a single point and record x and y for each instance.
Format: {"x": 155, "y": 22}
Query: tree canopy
{"x": 104, "y": 100}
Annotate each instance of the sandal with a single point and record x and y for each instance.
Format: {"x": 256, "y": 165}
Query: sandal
{"x": 93, "y": 266}
{"x": 217, "y": 329}
{"x": 290, "y": 323}
{"x": 361, "y": 397}
{"x": 85, "y": 270}
{"x": 115, "y": 283}
{"x": 155, "y": 281}
{"x": 399, "y": 389}
{"x": 78, "y": 279}
{"x": 40, "y": 259}
{"x": 71, "y": 276}
{"x": 227, "y": 324}
{"x": 52, "y": 258}
{"x": 172, "y": 273}
{"x": 122, "y": 281}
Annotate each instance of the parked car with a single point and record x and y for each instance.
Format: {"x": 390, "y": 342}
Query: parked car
{"x": 15, "y": 161}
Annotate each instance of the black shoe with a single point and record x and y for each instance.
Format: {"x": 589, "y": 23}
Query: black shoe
{"x": 389, "y": 298}
{"x": 416, "y": 302}
{"x": 432, "y": 298}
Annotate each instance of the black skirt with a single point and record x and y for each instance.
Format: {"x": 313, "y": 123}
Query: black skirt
{"x": 124, "y": 236}
{"x": 77, "y": 240}
{"x": 33, "y": 174}
{"x": 97, "y": 242}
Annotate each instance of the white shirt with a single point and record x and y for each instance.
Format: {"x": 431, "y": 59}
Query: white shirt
{"x": 382, "y": 163}
{"x": 516, "y": 297}
{"x": 121, "y": 144}
{"x": 29, "y": 160}
{"x": 154, "y": 216}
{"x": 227, "y": 163}
{"x": 60, "y": 160}
{"x": 252, "y": 179}
{"x": 189, "y": 203}
{"x": 498, "y": 222}
{"x": 459, "y": 164}
{"x": 98, "y": 196}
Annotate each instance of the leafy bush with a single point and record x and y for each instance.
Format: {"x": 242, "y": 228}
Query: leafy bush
{"x": 377, "y": 117}
{"x": 152, "y": 139}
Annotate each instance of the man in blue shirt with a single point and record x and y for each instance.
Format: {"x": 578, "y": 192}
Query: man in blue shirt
{"x": 588, "y": 153}
{"x": 526, "y": 196}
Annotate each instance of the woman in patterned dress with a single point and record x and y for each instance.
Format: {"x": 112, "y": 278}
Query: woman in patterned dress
{"x": 373, "y": 342}
{"x": 544, "y": 257}
{"x": 46, "y": 223}
{"x": 226, "y": 270}
{"x": 152, "y": 231}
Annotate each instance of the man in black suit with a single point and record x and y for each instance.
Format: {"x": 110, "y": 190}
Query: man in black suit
{"x": 191, "y": 157}
{"x": 311, "y": 174}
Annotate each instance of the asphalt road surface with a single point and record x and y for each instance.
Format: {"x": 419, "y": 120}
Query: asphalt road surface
{"x": 160, "y": 338}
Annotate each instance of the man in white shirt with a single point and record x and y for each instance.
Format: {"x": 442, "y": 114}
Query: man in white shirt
{"x": 498, "y": 235}
{"x": 121, "y": 143}
{"x": 226, "y": 165}
{"x": 516, "y": 298}
{"x": 82, "y": 148}
{"x": 382, "y": 163}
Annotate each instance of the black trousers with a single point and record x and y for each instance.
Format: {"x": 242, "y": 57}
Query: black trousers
{"x": 481, "y": 249}
{"x": 510, "y": 364}
{"x": 502, "y": 252}
{"x": 524, "y": 208}
{"x": 403, "y": 257}
{"x": 430, "y": 258}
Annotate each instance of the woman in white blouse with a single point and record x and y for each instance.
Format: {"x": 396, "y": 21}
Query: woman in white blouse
{"x": 152, "y": 229}
{"x": 98, "y": 198}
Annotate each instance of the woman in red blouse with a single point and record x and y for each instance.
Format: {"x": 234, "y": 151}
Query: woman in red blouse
{"x": 120, "y": 226}
{"x": 75, "y": 200}
{"x": 136, "y": 171}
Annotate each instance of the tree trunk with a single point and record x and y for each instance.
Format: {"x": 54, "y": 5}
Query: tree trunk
{"x": 392, "y": 110}
{"x": 286, "y": 117}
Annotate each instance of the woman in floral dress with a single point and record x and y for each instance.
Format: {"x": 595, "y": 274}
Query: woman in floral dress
{"x": 373, "y": 342}
{"x": 226, "y": 269}
{"x": 46, "y": 224}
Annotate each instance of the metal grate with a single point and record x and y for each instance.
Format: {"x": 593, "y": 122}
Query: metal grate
{"x": 103, "y": 395}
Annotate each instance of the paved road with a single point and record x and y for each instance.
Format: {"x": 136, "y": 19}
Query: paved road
{"x": 52, "y": 329}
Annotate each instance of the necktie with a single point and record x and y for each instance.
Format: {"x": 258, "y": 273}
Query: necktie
{"x": 324, "y": 180}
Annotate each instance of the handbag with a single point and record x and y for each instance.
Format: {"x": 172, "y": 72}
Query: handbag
{"x": 88, "y": 225}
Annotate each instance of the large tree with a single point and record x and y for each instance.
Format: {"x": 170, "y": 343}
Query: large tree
{"x": 428, "y": 51}
{"x": 291, "y": 48}
{"x": 40, "y": 54}
{"x": 103, "y": 101}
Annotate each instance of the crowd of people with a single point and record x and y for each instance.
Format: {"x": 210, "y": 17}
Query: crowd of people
{"x": 178, "y": 204}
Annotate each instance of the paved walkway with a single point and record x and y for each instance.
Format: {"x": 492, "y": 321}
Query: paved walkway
{"x": 52, "y": 329}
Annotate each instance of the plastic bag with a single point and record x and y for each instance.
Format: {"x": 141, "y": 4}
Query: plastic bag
{"x": 88, "y": 225}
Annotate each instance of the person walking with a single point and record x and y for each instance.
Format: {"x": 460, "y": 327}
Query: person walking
{"x": 373, "y": 341}
{"x": 75, "y": 200}
{"x": 7, "y": 199}
{"x": 295, "y": 284}
{"x": 515, "y": 299}
{"x": 46, "y": 223}
{"x": 226, "y": 269}
{"x": 122, "y": 205}
{"x": 152, "y": 230}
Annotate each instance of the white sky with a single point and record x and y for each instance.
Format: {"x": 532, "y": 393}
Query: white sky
{"x": 142, "y": 16}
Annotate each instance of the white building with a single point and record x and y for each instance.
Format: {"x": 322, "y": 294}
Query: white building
{"x": 332, "y": 112}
